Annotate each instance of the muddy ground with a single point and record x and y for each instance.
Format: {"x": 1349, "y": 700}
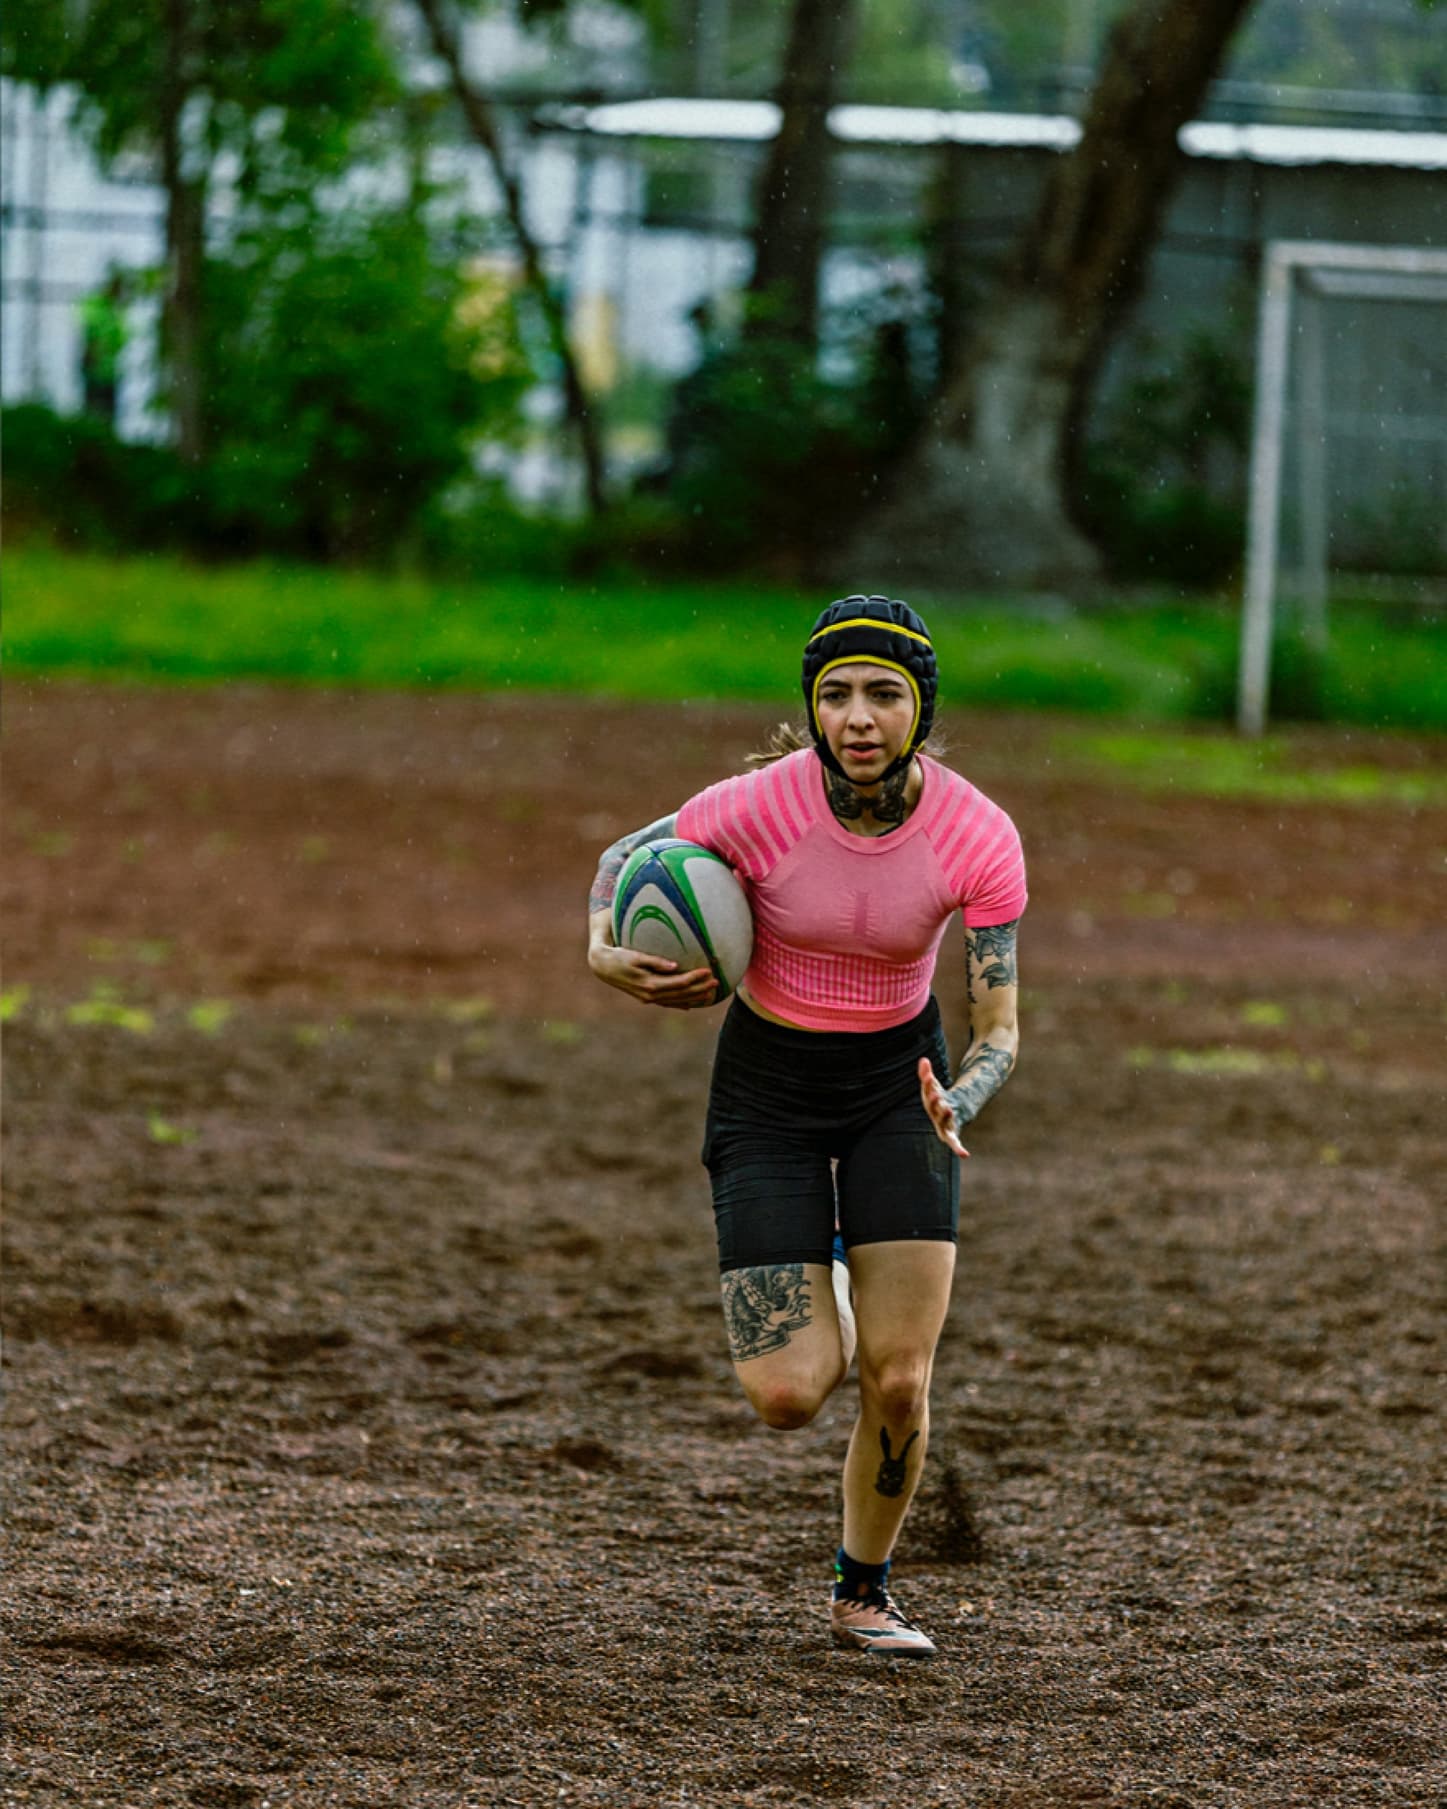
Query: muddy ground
{"x": 370, "y": 1436}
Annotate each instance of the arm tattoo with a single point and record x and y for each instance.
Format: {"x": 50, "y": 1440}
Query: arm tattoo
{"x": 993, "y": 947}
{"x": 989, "y": 963}
{"x": 985, "y": 1071}
{"x": 611, "y": 863}
{"x": 764, "y": 1307}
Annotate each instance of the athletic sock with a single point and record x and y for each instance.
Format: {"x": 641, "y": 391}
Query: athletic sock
{"x": 841, "y": 1255}
{"x": 851, "y": 1579}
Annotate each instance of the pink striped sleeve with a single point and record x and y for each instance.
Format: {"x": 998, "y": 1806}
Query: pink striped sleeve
{"x": 978, "y": 848}
{"x": 745, "y": 819}
{"x": 956, "y": 836}
{"x": 792, "y": 772}
{"x": 994, "y": 891}
{"x": 767, "y": 814}
{"x": 793, "y": 820}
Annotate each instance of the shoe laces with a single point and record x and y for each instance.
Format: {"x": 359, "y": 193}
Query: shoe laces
{"x": 880, "y": 1598}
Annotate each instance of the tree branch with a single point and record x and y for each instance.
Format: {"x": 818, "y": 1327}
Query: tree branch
{"x": 477, "y": 113}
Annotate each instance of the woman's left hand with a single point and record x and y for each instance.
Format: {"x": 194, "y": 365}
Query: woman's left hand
{"x": 937, "y": 1104}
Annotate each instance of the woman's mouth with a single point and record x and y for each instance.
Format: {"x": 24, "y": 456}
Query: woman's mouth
{"x": 861, "y": 752}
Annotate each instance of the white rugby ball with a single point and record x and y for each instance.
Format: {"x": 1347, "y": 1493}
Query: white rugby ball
{"x": 684, "y": 903}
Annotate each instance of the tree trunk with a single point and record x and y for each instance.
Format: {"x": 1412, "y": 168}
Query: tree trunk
{"x": 481, "y": 124}
{"x": 982, "y": 496}
{"x": 185, "y": 239}
{"x": 790, "y": 217}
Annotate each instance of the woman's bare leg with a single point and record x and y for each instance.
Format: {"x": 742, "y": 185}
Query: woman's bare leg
{"x": 901, "y": 1297}
{"x": 784, "y": 1338}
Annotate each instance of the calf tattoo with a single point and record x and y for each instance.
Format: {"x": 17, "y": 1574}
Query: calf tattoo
{"x": 890, "y": 1480}
{"x": 764, "y": 1307}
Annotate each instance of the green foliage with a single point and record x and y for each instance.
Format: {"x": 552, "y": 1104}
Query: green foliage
{"x": 1385, "y": 47}
{"x": 282, "y": 82}
{"x": 349, "y": 379}
{"x": 901, "y": 56}
{"x": 767, "y": 455}
{"x": 69, "y": 478}
{"x": 761, "y": 445}
{"x": 1300, "y": 676}
{"x": 472, "y": 525}
{"x": 343, "y": 378}
{"x": 161, "y": 1130}
{"x": 1163, "y": 472}
{"x": 354, "y": 364}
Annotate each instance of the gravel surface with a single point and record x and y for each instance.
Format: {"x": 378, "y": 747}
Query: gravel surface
{"x": 370, "y": 1435}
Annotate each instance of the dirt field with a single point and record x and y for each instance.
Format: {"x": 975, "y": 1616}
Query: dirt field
{"x": 370, "y": 1435}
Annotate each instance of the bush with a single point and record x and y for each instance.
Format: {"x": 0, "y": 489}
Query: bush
{"x": 71, "y": 479}
{"x": 350, "y": 367}
{"x": 474, "y": 529}
{"x": 766, "y": 455}
{"x": 1162, "y": 487}
{"x": 348, "y": 378}
{"x": 1164, "y": 533}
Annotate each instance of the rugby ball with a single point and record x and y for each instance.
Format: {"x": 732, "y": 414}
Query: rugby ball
{"x": 683, "y": 902}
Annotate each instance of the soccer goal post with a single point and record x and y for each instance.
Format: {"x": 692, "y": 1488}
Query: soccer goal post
{"x": 1291, "y": 352}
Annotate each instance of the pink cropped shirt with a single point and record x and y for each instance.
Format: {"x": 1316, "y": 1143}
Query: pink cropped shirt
{"x": 847, "y": 927}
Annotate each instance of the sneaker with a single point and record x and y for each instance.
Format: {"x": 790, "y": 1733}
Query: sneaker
{"x": 874, "y": 1623}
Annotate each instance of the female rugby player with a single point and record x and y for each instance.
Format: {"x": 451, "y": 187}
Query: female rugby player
{"x": 831, "y": 1111}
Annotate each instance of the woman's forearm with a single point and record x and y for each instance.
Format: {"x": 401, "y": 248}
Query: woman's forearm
{"x": 612, "y": 860}
{"x": 988, "y": 1064}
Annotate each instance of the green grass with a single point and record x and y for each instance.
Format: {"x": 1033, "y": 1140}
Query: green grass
{"x": 162, "y": 619}
{"x": 1221, "y": 766}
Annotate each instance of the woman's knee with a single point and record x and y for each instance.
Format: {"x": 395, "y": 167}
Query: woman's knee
{"x": 785, "y": 1403}
{"x": 897, "y": 1387}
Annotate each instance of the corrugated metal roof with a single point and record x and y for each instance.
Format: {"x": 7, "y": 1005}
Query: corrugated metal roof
{"x": 755, "y": 121}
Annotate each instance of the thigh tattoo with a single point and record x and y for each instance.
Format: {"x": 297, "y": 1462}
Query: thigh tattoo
{"x": 764, "y": 1307}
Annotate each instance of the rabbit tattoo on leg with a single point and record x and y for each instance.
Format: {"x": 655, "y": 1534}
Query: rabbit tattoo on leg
{"x": 890, "y": 1480}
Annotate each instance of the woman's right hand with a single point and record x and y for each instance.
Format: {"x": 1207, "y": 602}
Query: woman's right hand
{"x": 651, "y": 979}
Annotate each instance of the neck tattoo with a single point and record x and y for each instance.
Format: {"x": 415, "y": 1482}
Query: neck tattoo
{"x": 887, "y": 806}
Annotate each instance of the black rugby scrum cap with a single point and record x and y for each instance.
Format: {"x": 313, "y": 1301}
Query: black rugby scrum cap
{"x": 883, "y": 632}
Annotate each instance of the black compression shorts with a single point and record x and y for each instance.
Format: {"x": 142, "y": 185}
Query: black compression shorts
{"x": 785, "y": 1103}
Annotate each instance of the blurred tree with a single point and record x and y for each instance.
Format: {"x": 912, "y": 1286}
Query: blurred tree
{"x": 275, "y": 87}
{"x": 791, "y": 217}
{"x": 482, "y": 124}
{"x": 982, "y": 495}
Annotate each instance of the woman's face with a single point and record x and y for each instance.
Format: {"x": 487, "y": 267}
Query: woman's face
{"x": 866, "y": 713}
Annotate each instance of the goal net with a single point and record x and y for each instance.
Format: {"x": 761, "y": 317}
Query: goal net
{"x": 1349, "y": 442}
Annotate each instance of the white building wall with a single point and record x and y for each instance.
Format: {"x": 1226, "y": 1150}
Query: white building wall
{"x": 91, "y": 225}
